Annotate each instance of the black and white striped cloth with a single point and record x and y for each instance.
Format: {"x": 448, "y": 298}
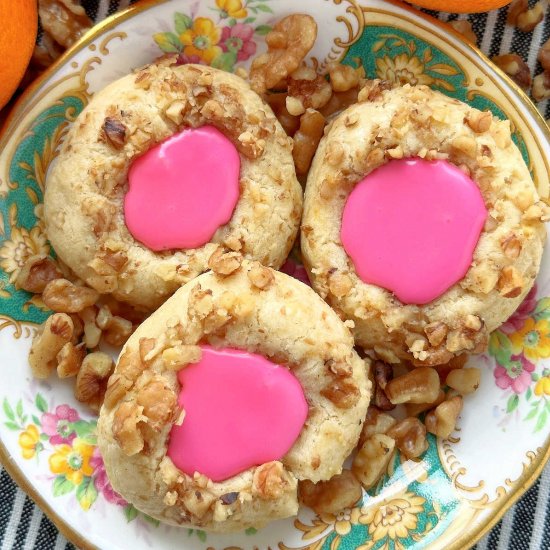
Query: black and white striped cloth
{"x": 526, "y": 526}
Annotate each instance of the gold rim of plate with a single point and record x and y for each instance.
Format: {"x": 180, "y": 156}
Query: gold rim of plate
{"x": 543, "y": 455}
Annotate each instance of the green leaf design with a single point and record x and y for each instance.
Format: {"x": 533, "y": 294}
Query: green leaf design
{"x": 151, "y": 520}
{"x": 62, "y": 486}
{"x": 19, "y": 409}
{"x": 262, "y": 30}
{"x": 250, "y": 20}
{"x": 40, "y": 403}
{"x": 251, "y": 531}
{"x": 528, "y": 394}
{"x": 532, "y": 414}
{"x": 86, "y": 493}
{"x": 182, "y": 22}
{"x": 542, "y": 311}
{"x": 168, "y": 42}
{"x": 44, "y": 437}
{"x": 130, "y": 512}
{"x": 541, "y": 422}
{"x": 8, "y": 411}
{"x": 264, "y": 8}
{"x": 232, "y": 22}
{"x": 225, "y": 61}
{"x": 513, "y": 403}
{"x": 85, "y": 431}
{"x": 500, "y": 348}
{"x": 12, "y": 426}
{"x": 201, "y": 535}
{"x": 35, "y": 419}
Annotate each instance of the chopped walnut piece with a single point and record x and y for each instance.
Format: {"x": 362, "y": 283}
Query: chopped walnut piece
{"x": 511, "y": 246}
{"x": 479, "y": 121}
{"x": 114, "y": 132}
{"x": 373, "y": 90}
{"x": 420, "y": 385}
{"x": 376, "y": 422}
{"x": 64, "y": 20}
{"x": 436, "y": 333}
{"x": 117, "y": 386}
{"x": 541, "y": 86}
{"x": 288, "y": 43}
{"x": 410, "y": 437}
{"x": 544, "y": 55}
{"x": 339, "y": 101}
{"x": 515, "y": 67}
{"x": 197, "y": 502}
{"x": 514, "y": 9}
{"x": 225, "y": 263}
{"x": 158, "y": 403}
{"x": 92, "y": 333}
{"x": 332, "y": 496}
{"x": 464, "y": 381}
{"x": 343, "y": 77}
{"x": 180, "y": 356}
{"x": 342, "y": 393}
{"x": 91, "y": 380}
{"x": 118, "y": 330}
{"x": 528, "y": 19}
{"x": 55, "y": 333}
{"x": 464, "y": 27}
{"x": 306, "y": 139}
{"x": 126, "y": 430}
{"x": 339, "y": 284}
{"x": 442, "y": 420}
{"x": 372, "y": 459}
{"x": 69, "y": 359}
{"x": 36, "y": 273}
{"x": 269, "y": 480}
{"x": 62, "y": 296}
{"x": 314, "y": 93}
{"x": 414, "y": 409}
{"x": 261, "y": 277}
{"x": 289, "y": 122}
{"x": 510, "y": 283}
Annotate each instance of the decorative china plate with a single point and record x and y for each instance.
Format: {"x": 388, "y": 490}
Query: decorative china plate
{"x": 461, "y": 486}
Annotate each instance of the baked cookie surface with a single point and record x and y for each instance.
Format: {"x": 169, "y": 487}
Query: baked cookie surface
{"x": 86, "y": 187}
{"x": 260, "y": 311}
{"x": 416, "y": 122}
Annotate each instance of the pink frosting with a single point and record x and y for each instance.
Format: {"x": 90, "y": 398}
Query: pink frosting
{"x": 241, "y": 410}
{"x": 182, "y": 190}
{"x": 411, "y": 227}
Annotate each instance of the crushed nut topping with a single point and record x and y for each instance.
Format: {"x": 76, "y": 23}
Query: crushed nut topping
{"x": 114, "y": 132}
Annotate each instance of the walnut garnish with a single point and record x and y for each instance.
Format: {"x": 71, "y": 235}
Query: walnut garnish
{"x": 62, "y": 296}
{"x": 126, "y": 430}
{"x": 114, "y": 132}
{"x": 260, "y": 277}
{"x": 91, "y": 380}
{"x": 341, "y": 393}
{"x": 523, "y": 18}
{"x": 158, "y": 403}
{"x": 510, "y": 282}
{"x": 36, "y": 273}
{"x": 541, "y": 86}
{"x": 515, "y": 67}
{"x": 544, "y": 55}
{"x": 69, "y": 359}
{"x": 339, "y": 492}
{"x": 464, "y": 27}
{"x": 436, "y": 333}
{"x": 269, "y": 481}
{"x": 177, "y": 357}
{"x": 511, "y": 246}
{"x": 479, "y": 121}
{"x": 225, "y": 263}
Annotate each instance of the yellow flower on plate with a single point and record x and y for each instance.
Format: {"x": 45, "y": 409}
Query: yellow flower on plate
{"x": 542, "y": 386}
{"x": 402, "y": 69}
{"x": 393, "y": 517}
{"x": 201, "y": 39}
{"x": 22, "y": 245}
{"x": 72, "y": 461}
{"x": 29, "y": 441}
{"x": 343, "y": 520}
{"x": 232, "y": 8}
{"x": 533, "y": 338}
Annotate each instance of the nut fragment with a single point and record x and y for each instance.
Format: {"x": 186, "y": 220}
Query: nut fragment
{"x": 544, "y": 55}
{"x": 62, "y": 296}
{"x": 414, "y": 409}
{"x": 442, "y": 421}
{"x": 410, "y": 437}
{"x": 91, "y": 380}
{"x": 314, "y": 93}
{"x": 225, "y": 263}
{"x": 114, "y": 132}
{"x": 464, "y": 27}
{"x": 479, "y": 121}
{"x": 126, "y": 430}
{"x": 436, "y": 333}
{"x": 69, "y": 359}
{"x": 260, "y": 277}
{"x": 332, "y": 496}
{"x": 306, "y": 139}
{"x": 342, "y": 393}
{"x": 541, "y": 86}
{"x": 270, "y": 480}
{"x": 510, "y": 282}
{"x": 376, "y": 422}
{"x": 515, "y": 67}
{"x": 118, "y": 331}
{"x": 372, "y": 459}
{"x": 179, "y": 356}
{"x": 158, "y": 403}
{"x": 64, "y": 20}
{"x": 527, "y": 20}
{"x": 339, "y": 284}
{"x": 464, "y": 381}
{"x": 511, "y": 246}
{"x": 287, "y": 44}
{"x": 36, "y": 273}
{"x": 343, "y": 77}
{"x": 56, "y": 332}
{"x": 420, "y": 385}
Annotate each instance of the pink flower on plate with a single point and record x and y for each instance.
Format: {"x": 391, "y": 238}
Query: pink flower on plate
{"x": 296, "y": 270}
{"x": 186, "y": 59}
{"x": 516, "y": 376}
{"x": 238, "y": 39}
{"x": 58, "y": 425}
{"x": 515, "y": 322}
{"x": 102, "y": 483}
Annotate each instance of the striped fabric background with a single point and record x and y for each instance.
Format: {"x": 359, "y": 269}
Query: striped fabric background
{"x": 526, "y": 526}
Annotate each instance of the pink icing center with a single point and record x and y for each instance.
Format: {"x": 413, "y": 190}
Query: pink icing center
{"x": 411, "y": 227}
{"x": 182, "y": 190}
{"x": 241, "y": 410}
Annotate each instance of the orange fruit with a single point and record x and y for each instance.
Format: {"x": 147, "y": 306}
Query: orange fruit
{"x": 18, "y": 27}
{"x": 460, "y": 6}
